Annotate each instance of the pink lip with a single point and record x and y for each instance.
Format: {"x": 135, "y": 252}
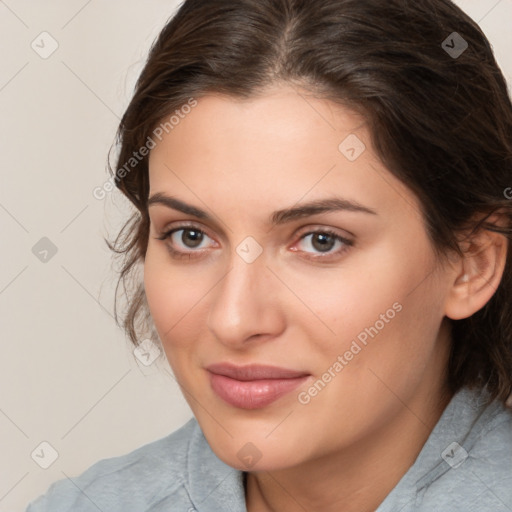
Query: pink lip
{"x": 253, "y": 386}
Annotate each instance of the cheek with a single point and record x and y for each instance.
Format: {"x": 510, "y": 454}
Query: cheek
{"x": 394, "y": 359}
{"x": 397, "y": 342}
{"x": 384, "y": 314}
{"x": 173, "y": 296}
{"x": 361, "y": 299}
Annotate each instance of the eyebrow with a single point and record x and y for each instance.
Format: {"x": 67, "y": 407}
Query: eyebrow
{"x": 278, "y": 217}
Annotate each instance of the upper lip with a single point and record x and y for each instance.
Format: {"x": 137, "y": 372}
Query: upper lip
{"x": 254, "y": 372}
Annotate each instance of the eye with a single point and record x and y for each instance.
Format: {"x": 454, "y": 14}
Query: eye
{"x": 324, "y": 241}
{"x": 184, "y": 241}
{"x": 190, "y": 242}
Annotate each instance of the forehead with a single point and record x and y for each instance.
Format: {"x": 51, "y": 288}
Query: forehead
{"x": 284, "y": 143}
{"x": 275, "y": 118}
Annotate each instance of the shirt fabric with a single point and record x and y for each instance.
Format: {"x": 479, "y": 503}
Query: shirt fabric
{"x": 465, "y": 465}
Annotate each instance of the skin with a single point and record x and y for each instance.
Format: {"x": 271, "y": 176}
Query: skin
{"x": 241, "y": 160}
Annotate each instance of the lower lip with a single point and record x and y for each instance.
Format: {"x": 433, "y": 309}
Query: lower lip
{"x": 253, "y": 394}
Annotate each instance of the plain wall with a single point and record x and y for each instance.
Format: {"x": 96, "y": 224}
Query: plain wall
{"x": 68, "y": 376}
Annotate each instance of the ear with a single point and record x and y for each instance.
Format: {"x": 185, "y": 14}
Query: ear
{"x": 478, "y": 273}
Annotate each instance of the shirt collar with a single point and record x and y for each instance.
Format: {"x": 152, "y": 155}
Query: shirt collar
{"x": 212, "y": 484}
{"x": 448, "y": 445}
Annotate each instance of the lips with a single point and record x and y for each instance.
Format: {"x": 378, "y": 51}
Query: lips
{"x": 253, "y": 386}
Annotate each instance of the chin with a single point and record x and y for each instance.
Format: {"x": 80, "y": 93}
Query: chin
{"x": 252, "y": 459}
{"x": 250, "y": 450}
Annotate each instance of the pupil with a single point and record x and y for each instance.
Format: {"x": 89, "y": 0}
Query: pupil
{"x": 196, "y": 238}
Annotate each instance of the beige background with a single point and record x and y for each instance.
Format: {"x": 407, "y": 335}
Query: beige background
{"x": 68, "y": 377}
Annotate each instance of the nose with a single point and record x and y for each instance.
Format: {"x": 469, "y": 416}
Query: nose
{"x": 244, "y": 305}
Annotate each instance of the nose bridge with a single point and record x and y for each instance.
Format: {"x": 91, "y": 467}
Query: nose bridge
{"x": 241, "y": 304}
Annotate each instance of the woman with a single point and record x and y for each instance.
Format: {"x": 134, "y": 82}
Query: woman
{"x": 322, "y": 216}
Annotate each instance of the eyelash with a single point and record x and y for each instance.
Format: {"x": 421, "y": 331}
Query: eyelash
{"x": 179, "y": 255}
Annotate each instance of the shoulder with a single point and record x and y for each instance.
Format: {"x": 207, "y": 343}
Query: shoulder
{"x": 476, "y": 466}
{"x": 135, "y": 481}
{"x": 466, "y": 463}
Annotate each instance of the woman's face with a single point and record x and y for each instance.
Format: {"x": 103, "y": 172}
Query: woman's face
{"x": 345, "y": 304}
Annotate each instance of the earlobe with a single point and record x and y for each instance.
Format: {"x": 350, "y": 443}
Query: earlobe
{"x": 479, "y": 275}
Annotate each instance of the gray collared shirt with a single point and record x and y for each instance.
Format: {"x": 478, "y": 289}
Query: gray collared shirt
{"x": 465, "y": 465}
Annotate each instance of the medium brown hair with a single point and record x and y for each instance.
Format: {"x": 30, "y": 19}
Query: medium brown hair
{"x": 441, "y": 123}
